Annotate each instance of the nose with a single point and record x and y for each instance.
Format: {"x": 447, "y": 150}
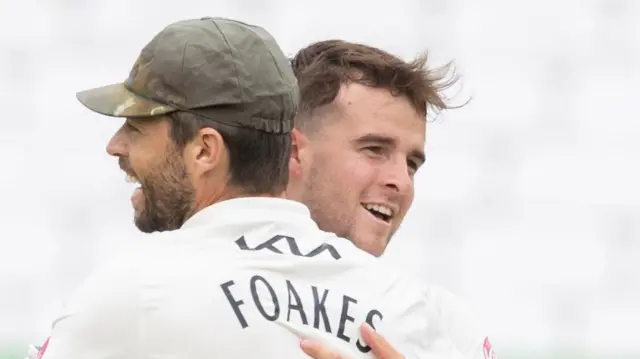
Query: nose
{"x": 397, "y": 177}
{"x": 117, "y": 146}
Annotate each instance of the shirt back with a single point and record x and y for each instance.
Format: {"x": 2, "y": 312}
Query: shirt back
{"x": 246, "y": 278}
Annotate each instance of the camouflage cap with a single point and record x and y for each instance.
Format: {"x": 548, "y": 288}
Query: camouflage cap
{"x": 222, "y": 69}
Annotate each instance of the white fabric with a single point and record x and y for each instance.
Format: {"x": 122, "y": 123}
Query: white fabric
{"x": 196, "y": 293}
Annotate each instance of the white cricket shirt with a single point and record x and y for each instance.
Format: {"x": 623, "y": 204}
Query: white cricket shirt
{"x": 246, "y": 278}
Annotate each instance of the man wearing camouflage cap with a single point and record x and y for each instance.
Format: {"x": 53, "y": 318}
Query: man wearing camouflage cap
{"x": 238, "y": 271}
{"x": 228, "y": 80}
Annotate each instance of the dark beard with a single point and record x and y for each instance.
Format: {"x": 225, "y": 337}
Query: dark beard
{"x": 168, "y": 197}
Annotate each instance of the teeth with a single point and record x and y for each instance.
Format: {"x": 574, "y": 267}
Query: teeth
{"x": 131, "y": 179}
{"x": 379, "y": 208}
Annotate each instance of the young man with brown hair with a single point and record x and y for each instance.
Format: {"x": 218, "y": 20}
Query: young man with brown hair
{"x": 358, "y": 141}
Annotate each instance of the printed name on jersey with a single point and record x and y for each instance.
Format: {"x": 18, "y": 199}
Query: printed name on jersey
{"x": 272, "y": 306}
{"x": 269, "y": 306}
{"x": 488, "y": 350}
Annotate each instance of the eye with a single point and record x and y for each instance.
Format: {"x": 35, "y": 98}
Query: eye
{"x": 413, "y": 167}
{"x": 375, "y": 150}
{"x": 130, "y": 127}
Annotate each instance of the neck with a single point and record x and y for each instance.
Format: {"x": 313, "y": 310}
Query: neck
{"x": 293, "y": 192}
{"x": 227, "y": 194}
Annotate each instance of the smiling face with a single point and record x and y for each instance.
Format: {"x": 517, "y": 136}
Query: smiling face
{"x": 357, "y": 168}
{"x": 145, "y": 152}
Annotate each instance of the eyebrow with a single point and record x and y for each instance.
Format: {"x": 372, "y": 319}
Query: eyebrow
{"x": 388, "y": 141}
{"x": 129, "y": 123}
{"x": 130, "y": 120}
{"x": 136, "y": 122}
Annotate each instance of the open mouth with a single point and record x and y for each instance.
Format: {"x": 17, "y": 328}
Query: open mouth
{"x": 137, "y": 197}
{"x": 131, "y": 179}
{"x": 379, "y": 211}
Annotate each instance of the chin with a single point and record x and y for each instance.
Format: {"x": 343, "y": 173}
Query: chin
{"x": 373, "y": 247}
{"x": 376, "y": 252}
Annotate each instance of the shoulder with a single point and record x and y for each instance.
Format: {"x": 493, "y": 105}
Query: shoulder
{"x": 86, "y": 321}
{"x": 121, "y": 274}
{"x": 106, "y": 286}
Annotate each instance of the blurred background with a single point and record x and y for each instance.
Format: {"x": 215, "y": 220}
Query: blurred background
{"x": 527, "y": 207}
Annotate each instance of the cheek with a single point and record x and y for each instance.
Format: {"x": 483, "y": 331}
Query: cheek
{"x": 351, "y": 174}
{"x": 361, "y": 174}
{"x": 137, "y": 164}
{"x": 143, "y": 164}
{"x": 407, "y": 201}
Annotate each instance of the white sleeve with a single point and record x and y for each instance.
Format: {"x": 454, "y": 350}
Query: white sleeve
{"x": 463, "y": 327}
{"x": 101, "y": 319}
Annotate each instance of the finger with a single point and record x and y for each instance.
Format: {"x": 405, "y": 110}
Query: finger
{"x": 317, "y": 351}
{"x": 379, "y": 345}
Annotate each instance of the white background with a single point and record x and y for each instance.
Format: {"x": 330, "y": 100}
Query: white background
{"x": 528, "y": 205}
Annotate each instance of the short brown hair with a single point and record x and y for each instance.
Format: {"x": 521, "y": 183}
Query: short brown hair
{"x": 323, "y": 67}
{"x": 258, "y": 161}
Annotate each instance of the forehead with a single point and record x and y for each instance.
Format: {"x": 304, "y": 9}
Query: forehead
{"x": 361, "y": 110}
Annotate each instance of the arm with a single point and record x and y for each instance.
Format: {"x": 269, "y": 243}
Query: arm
{"x": 458, "y": 320}
{"x": 463, "y": 327}
{"x": 382, "y": 349}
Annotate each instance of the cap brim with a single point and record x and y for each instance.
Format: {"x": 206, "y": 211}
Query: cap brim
{"x": 116, "y": 101}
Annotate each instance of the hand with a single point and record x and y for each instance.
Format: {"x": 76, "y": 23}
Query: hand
{"x": 379, "y": 346}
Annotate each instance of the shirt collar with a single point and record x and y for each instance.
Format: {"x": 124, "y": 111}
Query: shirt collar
{"x": 250, "y": 209}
